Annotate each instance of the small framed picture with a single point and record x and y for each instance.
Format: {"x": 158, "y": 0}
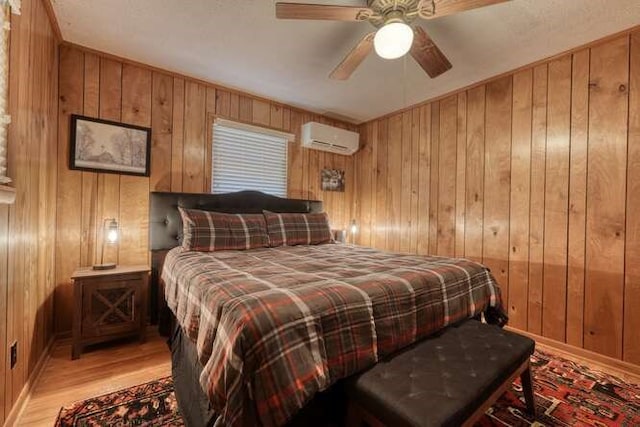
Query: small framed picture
{"x": 104, "y": 146}
{"x": 332, "y": 180}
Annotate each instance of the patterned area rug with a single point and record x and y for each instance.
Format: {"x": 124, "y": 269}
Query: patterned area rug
{"x": 567, "y": 394}
{"x": 150, "y": 404}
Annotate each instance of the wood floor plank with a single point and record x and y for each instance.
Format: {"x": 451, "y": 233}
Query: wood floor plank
{"x": 106, "y": 369}
{"x": 115, "y": 366}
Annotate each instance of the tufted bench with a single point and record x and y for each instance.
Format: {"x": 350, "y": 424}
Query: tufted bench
{"x": 449, "y": 379}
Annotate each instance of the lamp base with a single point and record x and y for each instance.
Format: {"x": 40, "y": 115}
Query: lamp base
{"x": 106, "y": 266}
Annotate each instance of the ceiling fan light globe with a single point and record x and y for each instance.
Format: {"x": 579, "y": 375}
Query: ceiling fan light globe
{"x": 393, "y": 40}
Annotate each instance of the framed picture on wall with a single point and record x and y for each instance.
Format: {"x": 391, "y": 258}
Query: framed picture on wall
{"x": 332, "y": 180}
{"x": 104, "y": 146}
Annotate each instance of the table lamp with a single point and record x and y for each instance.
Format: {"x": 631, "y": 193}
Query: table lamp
{"x": 110, "y": 236}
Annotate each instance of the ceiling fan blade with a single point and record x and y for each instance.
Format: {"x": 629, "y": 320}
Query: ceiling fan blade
{"x": 449, "y": 7}
{"x": 348, "y": 65}
{"x": 320, "y": 11}
{"x": 428, "y": 55}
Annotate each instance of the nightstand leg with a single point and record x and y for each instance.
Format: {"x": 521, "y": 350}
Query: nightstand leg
{"x": 143, "y": 307}
{"x": 76, "y": 349}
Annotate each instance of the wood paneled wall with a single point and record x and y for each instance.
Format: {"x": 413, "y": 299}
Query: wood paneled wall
{"x": 536, "y": 174}
{"x": 180, "y": 111}
{"x": 27, "y": 227}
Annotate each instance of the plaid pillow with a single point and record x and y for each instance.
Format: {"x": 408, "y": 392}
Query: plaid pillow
{"x": 290, "y": 229}
{"x": 213, "y": 231}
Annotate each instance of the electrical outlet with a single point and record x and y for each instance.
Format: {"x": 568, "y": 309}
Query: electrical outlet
{"x": 14, "y": 354}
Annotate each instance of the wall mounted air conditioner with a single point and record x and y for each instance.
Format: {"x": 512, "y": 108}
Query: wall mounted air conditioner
{"x": 318, "y": 136}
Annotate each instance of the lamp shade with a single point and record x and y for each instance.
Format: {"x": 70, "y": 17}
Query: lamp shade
{"x": 112, "y": 231}
{"x": 393, "y": 40}
{"x": 111, "y": 235}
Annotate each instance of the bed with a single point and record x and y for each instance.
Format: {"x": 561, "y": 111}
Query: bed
{"x": 264, "y": 336}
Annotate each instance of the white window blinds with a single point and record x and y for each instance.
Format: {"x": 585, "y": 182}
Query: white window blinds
{"x": 5, "y": 119}
{"x": 248, "y": 157}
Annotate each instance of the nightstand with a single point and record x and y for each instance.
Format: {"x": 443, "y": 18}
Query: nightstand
{"x": 108, "y": 304}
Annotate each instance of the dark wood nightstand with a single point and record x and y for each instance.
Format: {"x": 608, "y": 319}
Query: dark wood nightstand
{"x": 108, "y": 304}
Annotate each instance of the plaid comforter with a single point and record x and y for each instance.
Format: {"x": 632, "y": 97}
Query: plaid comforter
{"x": 274, "y": 326}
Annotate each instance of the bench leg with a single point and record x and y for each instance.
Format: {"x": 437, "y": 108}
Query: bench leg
{"x": 353, "y": 417}
{"x": 358, "y": 417}
{"x": 527, "y": 388}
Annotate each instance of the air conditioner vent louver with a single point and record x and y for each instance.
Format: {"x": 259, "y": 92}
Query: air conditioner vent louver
{"x": 328, "y": 138}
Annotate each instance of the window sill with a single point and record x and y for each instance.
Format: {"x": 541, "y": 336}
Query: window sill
{"x": 7, "y": 195}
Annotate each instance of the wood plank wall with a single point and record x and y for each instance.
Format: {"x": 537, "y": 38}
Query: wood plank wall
{"x": 536, "y": 174}
{"x": 27, "y": 227}
{"x": 179, "y": 110}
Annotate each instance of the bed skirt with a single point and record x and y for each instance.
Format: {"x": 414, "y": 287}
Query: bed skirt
{"x": 327, "y": 409}
{"x": 185, "y": 370}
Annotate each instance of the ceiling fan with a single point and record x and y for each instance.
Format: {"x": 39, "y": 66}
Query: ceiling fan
{"x": 394, "y": 37}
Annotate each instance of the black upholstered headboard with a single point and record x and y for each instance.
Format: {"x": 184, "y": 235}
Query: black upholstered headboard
{"x": 165, "y": 224}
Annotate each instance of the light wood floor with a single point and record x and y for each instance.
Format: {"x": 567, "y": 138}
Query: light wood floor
{"x": 102, "y": 370}
{"x": 116, "y": 366}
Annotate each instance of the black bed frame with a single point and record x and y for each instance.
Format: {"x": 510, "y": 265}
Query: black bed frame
{"x": 165, "y": 228}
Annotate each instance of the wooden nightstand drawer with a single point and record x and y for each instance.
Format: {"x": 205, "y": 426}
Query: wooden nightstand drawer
{"x": 109, "y": 304}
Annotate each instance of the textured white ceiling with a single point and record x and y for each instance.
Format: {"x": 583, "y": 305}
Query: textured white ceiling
{"x": 240, "y": 44}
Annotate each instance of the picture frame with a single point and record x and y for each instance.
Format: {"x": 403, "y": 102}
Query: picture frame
{"x": 332, "y": 180}
{"x": 106, "y": 146}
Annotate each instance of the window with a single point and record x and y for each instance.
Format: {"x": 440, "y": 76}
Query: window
{"x": 247, "y": 157}
{"x": 5, "y": 119}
